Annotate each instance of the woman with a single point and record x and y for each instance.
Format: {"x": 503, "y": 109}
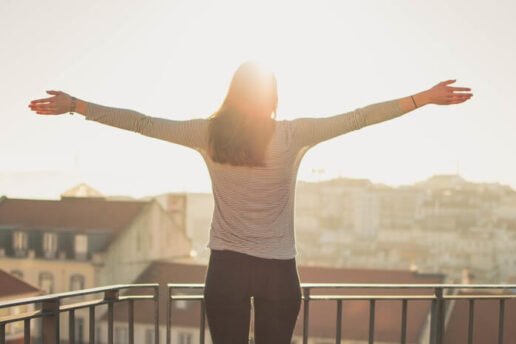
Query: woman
{"x": 253, "y": 161}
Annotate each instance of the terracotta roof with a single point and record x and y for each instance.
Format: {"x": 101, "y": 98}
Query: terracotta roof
{"x": 69, "y": 213}
{"x": 322, "y": 313}
{"x": 12, "y": 286}
{"x": 485, "y": 321}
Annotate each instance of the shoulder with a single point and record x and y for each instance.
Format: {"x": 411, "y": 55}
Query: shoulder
{"x": 283, "y": 131}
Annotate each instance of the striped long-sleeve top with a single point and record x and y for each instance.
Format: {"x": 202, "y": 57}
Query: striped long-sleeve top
{"x": 254, "y": 206}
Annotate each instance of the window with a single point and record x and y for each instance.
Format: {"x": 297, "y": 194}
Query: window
{"x": 20, "y": 243}
{"x": 184, "y": 338}
{"x": 49, "y": 245}
{"x": 81, "y": 246}
{"x": 46, "y": 282}
{"x": 17, "y": 273}
{"x": 121, "y": 335}
{"x": 76, "y": 282}
{"x": 149, "y": 336}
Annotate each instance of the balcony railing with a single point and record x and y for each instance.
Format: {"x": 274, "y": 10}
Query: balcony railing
{"x": 50, "y": 307}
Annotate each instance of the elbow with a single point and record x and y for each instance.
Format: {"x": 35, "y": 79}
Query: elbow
{"x": 359, "y": 119}
{"x": 142, "y": 125}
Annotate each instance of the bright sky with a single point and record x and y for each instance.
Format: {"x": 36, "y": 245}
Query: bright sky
{"x": 174, "y": 59}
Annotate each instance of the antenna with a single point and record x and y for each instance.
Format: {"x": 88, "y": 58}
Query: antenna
{"x": 457, "y": 166}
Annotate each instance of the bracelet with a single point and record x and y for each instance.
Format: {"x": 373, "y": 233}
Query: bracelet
{"x": 72, "y": 106}
{"x": 414, "y": 101}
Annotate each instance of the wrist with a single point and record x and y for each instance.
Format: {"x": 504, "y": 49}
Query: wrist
{"x": 73, "y": 103}
{"x": 422, "y": 98}
{"x": 81, "y": 106}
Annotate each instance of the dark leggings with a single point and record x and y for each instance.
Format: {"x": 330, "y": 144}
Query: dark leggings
{"x": 232, "y": 278}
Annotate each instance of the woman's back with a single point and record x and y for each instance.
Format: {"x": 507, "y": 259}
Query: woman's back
{"x": 254, "y": 205}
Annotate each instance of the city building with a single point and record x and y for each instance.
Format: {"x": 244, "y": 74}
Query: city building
{"x": 83, "y": 242}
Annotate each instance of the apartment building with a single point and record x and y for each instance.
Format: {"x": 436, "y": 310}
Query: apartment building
{"x": 82, "y": 242}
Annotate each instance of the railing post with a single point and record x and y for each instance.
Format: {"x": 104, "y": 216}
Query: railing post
{"x": 338, "y": 325}
{"x": 92, "y": 325}
{"x": 2, "y": 333}
{"x": 110, "y": 296}
{"x": 71, "y": 327}
{"x": 372, "y": 303}
{"x": 169, "y": 313}
{"x": 26, "y": 331}
{"x": 156, "y": 314}
{"x": 404, "y": 305}
{"x": 50, "y": 321}
{"x": 437, "y": 320}
{"x": 306, "y": 312}
{"x": 130, "y": 311}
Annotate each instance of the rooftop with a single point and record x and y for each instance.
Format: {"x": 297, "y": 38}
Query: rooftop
{"x": 69, "y": 213}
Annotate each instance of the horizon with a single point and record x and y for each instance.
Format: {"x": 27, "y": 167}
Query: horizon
{"x": 58, "y": 194}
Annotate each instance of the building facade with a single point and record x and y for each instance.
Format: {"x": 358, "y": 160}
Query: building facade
{"x": 83, "y": 242}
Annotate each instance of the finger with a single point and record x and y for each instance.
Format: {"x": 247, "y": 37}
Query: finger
{"x": 451, "y": 81}
{"x": 54, "y": 92}
{"x": 460, "y": 88}
{"x": 45, "y": 106}
{"x": 46, "y": 112}
{"x": 42, "y": 100}
{"x": 460, "y": 98}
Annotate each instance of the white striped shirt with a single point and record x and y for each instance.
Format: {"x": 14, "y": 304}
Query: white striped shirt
{"x": 254, "y": 206}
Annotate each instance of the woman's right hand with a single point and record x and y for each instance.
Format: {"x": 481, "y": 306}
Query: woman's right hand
{"x": 56, "y": 105}
{"x": 442, "y": 94}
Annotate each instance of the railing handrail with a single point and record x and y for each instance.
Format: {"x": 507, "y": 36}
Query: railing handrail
{"x": 70, "y": 294}
{"x": 51, "y": 307}
{"x": 373, "y": 285}
{"x": 96, "y": 290}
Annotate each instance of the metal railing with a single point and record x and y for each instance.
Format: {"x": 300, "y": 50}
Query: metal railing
{"x": 438, "y": 297}
{"x": 48, "y": 308}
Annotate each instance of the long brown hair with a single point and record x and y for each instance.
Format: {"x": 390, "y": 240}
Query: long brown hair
{"x": 240, "y": 130}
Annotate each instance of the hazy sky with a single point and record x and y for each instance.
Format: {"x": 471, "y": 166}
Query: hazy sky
{"x": 174, "y": 59}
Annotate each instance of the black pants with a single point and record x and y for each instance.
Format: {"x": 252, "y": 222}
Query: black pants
{"x": 232, "y": 278}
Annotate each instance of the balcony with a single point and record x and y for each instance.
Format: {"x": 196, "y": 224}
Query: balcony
{"x": 50, "y": 312}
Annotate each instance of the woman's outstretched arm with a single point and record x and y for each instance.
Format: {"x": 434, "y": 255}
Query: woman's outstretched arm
{"x": 308, "y": 132}
{"x": 190, "y": 133}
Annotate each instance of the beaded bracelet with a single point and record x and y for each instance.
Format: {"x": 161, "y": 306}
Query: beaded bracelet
{"x": 72, "y": 106}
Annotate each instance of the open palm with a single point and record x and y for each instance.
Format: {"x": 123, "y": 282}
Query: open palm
{"x": 58, "y": 104}
{"x": 442, "y": 94}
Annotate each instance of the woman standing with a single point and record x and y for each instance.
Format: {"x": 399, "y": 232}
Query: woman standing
{"x": 253, "y": 160}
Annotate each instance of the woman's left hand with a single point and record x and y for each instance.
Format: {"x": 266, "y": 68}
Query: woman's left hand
{"x": 58, "y": 104}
